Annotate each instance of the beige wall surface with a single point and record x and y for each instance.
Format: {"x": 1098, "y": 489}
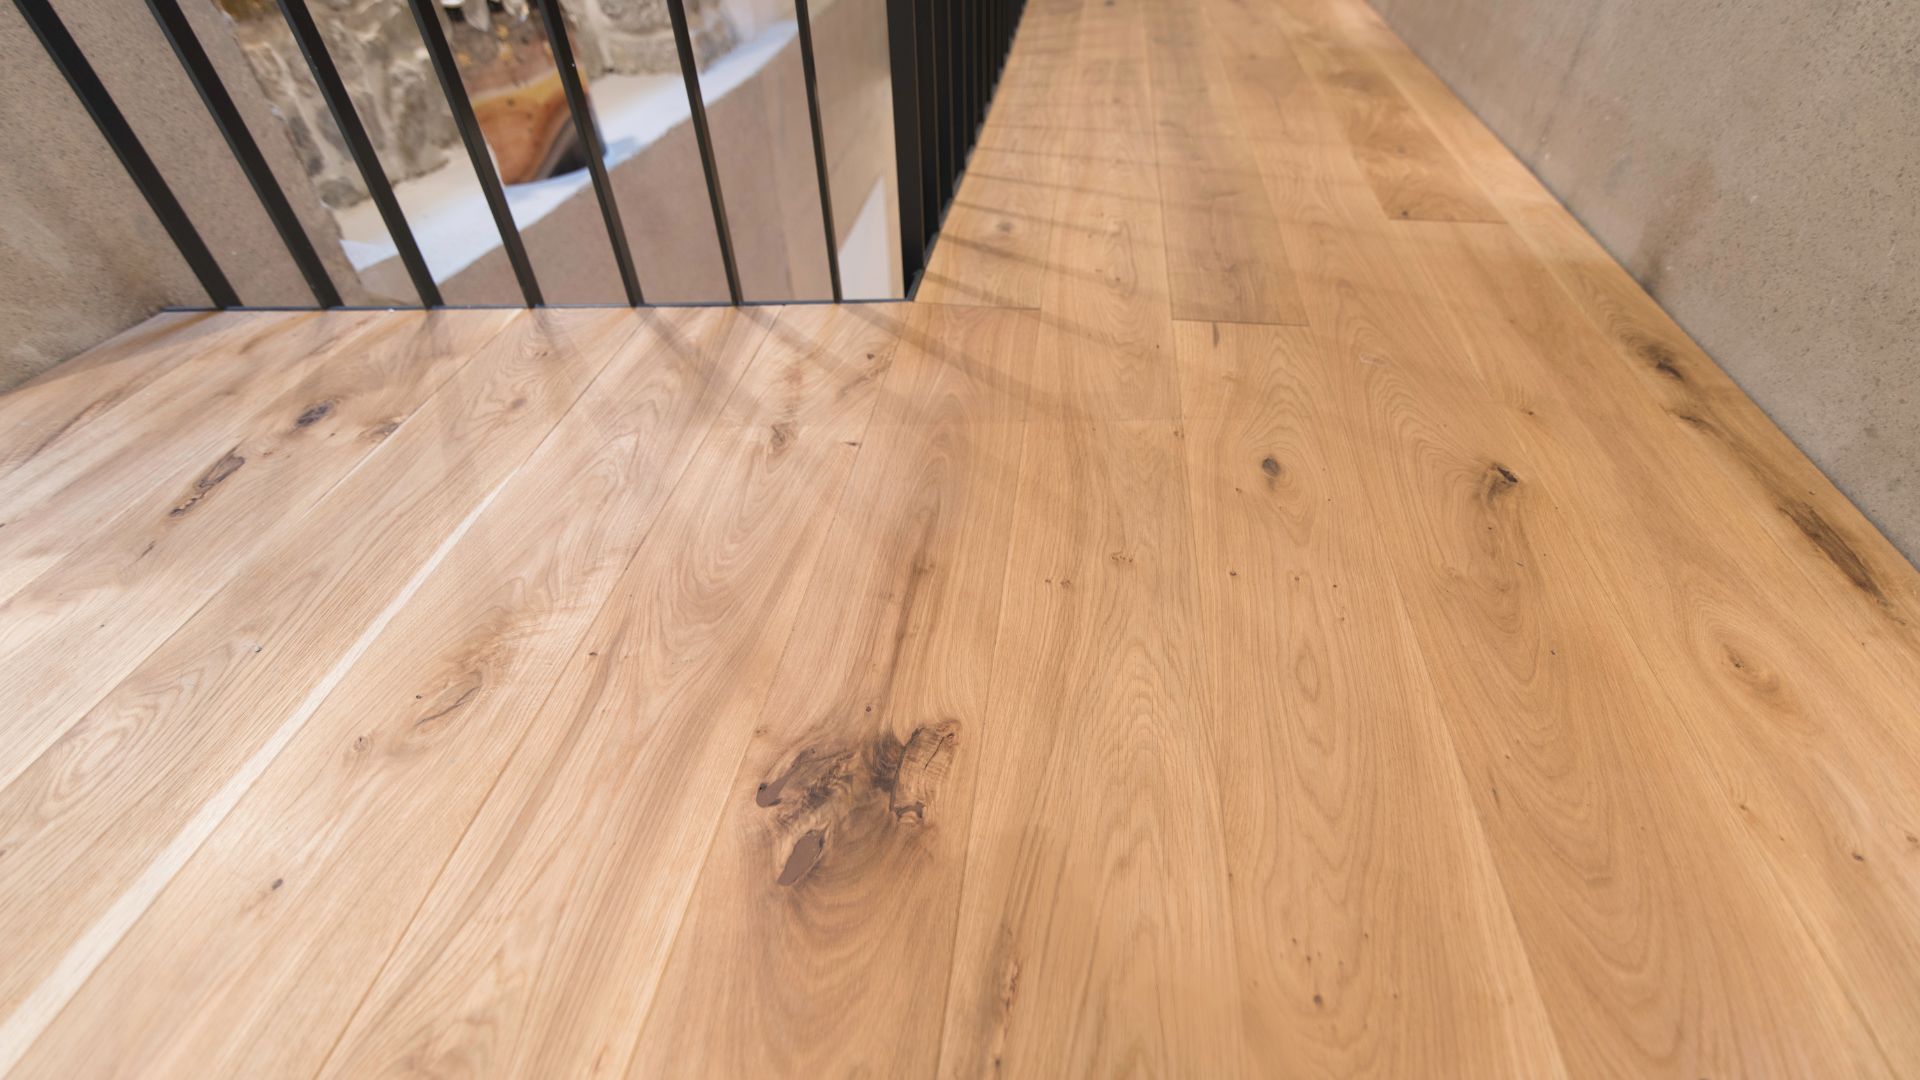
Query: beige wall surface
{"x": 1756, "y": 165}
{"x": 81, "y": 255}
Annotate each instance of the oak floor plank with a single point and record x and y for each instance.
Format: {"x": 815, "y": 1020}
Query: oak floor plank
{"x": 1753, "y": 661}
{"x": 1264, "y": 81}
{"x": 1225, "y": 258}
{"x": 828, "y": 898}
{"x": 187, "y": 412}
{"x": 1856, "y": 570}
{"x": 125, "y": 581}
{"x": 1341, "y": 796}
{"x": 71, "y": 473}
{"x": 1610, "y": 866}
{"x": 68, "y": 397}
{"x": 992, "y": 248}
{"x": 319, "y": 868}
{"x": 550, "y": 924}
{"x": 153, "y": 761}
{"x": 1094, "y": 933}
{"x": 1410, "y": 170}
{"x": 1106, "y": 346}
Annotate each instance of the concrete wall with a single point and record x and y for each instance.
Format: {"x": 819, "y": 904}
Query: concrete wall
{"x": 81, "y": 256}
{"x": 1756, "y": 165}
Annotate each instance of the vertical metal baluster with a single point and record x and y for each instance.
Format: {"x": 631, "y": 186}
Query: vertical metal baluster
{"x": 587, "y": 129}
{"x": 969, "y": 87}
{"x": 933, "y": 118}
{"x": 951, "y": 95}
{"x": 696, "y": 104}
{"x": 427, "y": 17}
{"x": 982, "y": 50}
{"x": 340, "y": 104}
{"x": 86, "y": 85}
{"x": 903, "y": 65}
{"x": 805, "y": 25}
{"x": 213, "y": 93}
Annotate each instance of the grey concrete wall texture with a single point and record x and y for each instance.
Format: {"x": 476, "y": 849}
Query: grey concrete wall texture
{"x": 81, "y": 256}
{"x": 1756, "y": 165}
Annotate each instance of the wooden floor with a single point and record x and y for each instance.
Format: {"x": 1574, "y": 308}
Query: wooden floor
{"x": 1281, "y": 602}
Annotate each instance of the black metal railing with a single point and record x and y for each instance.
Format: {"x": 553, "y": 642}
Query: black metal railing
{"x": 944, "y": 58}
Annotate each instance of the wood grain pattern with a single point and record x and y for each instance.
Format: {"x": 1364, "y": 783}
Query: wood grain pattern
{"x": 1094, "y": 930}
{"x": 1283, "y": 602}
{"x": 1409, "y": 169}
{"x": 577, "y": 844}
{"x": 1550, "y": 703}
{"x": 1225, "y": 258}
{"x": 64, "y": 399}
{"x": 67, "y": 470}
{"x": 86, "y": 621}
{"x": 993, "y": 244}
{"x": 844, "y": 836}
{"x": 145, "y": 764}
{"x": 1339, "y": 795}
{"x": 371, "y": 794}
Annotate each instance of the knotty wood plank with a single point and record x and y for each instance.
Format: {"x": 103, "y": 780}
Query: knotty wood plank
{"x": 1656, "y": 937}
{"x": 318, "y": 869}
{"x": 1340, "y": 794}
{"x": 1094, "y": 932}
{"x": 546, "y": 932}
{"x": 144, "y": 773}
{"x": 1830, "y": 539}
{"x": 217, "y": 382}
{"x": 1751, "y": 658}
{"x": 73, "y": 475}
{"x": 125, "y": 583}
{"x": 828, "y": 898}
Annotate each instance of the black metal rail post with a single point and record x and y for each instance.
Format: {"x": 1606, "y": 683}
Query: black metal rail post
{"x": 340, "y": 104}
{"x": 947, "y": 59}
{"x": 805, "y": 24}
{"x": 903, "y": 65}
{"x": 587, "y": 129}
{"x": 447, "y": 69}
{"x": 951, "y": 91}
{"x": 697, "y": 108}
{"x": 233, "y": 128}
{"x": 86, "y": 85}
{"x": 969, "y": 44}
